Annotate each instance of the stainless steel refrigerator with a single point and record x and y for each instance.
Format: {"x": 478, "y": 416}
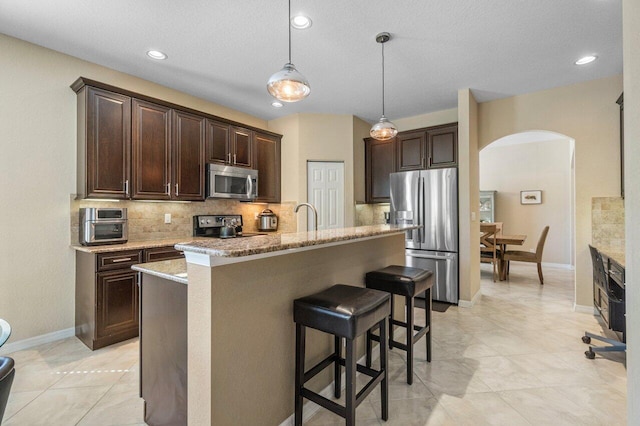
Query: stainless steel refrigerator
{"x": 430, "y": 198}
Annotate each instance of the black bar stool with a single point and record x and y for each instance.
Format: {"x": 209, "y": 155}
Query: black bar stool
{"x": 407, "y": 282}
{"x": 346, "y": 312}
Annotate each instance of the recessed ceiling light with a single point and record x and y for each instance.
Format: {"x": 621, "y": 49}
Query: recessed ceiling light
{"x": 300, "y": 22}
{"x": 586, "y": 60}
{"x": 156, "y": 54}
{"x": 276, "y": 104}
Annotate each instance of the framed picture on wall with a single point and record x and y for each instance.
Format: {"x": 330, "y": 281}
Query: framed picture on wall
{"x": 531, "y": 197}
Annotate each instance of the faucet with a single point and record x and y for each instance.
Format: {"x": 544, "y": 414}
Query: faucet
{"x": 315, "y": 213}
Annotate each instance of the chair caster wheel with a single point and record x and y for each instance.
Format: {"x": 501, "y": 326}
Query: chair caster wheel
{"x": 586, "y": 339}
{"x": 590, "y": 354}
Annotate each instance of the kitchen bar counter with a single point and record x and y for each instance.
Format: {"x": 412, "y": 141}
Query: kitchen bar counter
{"x": 240, "y": 334}
{"x": 199, "y": 251}
{"x": 173, "y": 270}
{"x": 136, "y": 245}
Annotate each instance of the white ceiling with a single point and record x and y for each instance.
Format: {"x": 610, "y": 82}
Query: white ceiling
{"x": 225, "y": 50}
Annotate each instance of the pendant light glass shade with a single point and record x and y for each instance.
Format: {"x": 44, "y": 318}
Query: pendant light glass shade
{"x": 288, "y": 85}
{"x": 384, "y": 129}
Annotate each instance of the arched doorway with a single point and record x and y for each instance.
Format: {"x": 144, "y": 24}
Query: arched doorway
{"x": 534, "y": 160}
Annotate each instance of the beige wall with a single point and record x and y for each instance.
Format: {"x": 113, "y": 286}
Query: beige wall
{"x": 631, "y": 50}
{"x": 316, "y": 137}
{"x": 468, "y": 196}
{"x": 427, "y": 120}
{"x": 587, "y": 113}
{"x": 38, "y": 173}
{"x": 536, "y": 165}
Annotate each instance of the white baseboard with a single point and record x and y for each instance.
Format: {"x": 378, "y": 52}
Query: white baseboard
{"x": 37, "y": 340}
{"x": 559, "y": 265}
{"x": 585, "y": 309}
{"x": 470, "y": 303}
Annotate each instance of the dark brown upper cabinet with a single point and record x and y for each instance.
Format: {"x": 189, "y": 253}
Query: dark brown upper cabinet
{"x": 188, "y": 183}
{"x": 411, "y": 148}
{"x": 228, "y": 144}
{"x": 132, "y": 146}
{"x": 151, "y": 151}
{"x": 266, "y": 151}
{"x": 104, "y": 144}
{"x": 427, "y": 148}
{"x": 241, "y": 143}
{"x": 442, "y": 146}
{"x": 380, "y": 161}
{"x": 218, "y": 143}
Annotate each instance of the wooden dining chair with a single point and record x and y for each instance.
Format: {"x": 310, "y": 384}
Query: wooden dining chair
{"x": 525, "y": 256}
{"x": 489, "y": 252}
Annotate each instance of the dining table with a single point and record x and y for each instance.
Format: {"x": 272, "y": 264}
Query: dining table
{"x": 502, "y": 240}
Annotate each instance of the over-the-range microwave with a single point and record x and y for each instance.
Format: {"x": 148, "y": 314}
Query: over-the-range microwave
{"x": 231, "y": 182}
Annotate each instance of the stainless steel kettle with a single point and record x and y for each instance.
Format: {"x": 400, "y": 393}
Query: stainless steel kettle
{"x": 267, "y": 221}
{"x": 228, "y": 229}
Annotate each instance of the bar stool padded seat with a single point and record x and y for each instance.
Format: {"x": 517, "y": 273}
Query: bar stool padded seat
{"x": 400, "y": 280}
{"x": 342, "y": 310}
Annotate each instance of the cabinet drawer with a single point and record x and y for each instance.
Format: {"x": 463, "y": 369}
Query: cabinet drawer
{"x": 162, "y": 253}
{"x": 118, "y": 260}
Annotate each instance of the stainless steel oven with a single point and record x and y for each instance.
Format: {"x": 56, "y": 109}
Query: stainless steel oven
{"x": 103, "y": 226}
{"x": 231, "y": 182}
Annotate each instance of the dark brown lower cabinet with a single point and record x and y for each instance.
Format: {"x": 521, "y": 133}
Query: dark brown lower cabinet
{"x": 107, "y": 305}
{"x": 117, "y": 305}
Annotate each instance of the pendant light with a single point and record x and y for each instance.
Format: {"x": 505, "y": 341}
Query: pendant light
{"x": 288, "y": 85}
{"x": 384, "y": 129}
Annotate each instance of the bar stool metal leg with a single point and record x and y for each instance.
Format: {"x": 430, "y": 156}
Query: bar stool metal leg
{"x": 409, "y": 304}
{"x": 300, "y": 345}
{"x": 427, "y": 307}
{"x": 350, "y": 391}
{"x": 391, "y": 325}
{"x": 384, "y": 400}
{"x": 336, "y": 371}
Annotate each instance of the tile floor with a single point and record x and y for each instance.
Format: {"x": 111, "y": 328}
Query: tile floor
{"x": 515, "y": 358}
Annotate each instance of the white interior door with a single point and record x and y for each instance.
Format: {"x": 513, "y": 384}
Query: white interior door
{"x": 325, "y": 190}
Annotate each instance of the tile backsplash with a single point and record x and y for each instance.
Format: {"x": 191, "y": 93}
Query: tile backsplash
{"x": 607, "y": 222}
{"x": 370, "y": 214}
{"x": 146, "y": 219}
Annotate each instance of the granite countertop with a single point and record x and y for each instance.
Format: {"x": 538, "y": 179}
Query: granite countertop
{"x": 136, "y": 245}
{"x": 613, "y": 254}
{"x": 174, "y": 270}
{"x": 238, "y": 247}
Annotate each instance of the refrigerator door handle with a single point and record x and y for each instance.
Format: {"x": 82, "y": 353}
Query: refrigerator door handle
{"x": 421, "y": 206}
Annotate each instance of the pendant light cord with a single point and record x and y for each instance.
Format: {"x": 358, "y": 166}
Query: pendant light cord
{"x": 289, "y": 25}
{"x": 382, "y": 77}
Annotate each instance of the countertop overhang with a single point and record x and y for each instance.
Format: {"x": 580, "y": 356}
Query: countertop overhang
{"x": 215, "y": 252}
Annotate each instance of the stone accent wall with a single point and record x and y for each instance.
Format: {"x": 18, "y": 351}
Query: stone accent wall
{"x": 607, "y": 223}
{"x": 146, "y": 219}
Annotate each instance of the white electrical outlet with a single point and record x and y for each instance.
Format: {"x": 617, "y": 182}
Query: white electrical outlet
{"x": 532, "y": 251}
{"x": 167, "y": 218}
{"x": 473, "y": 216}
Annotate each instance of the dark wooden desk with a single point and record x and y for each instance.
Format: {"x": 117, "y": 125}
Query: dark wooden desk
{"x": 612, "y": 312}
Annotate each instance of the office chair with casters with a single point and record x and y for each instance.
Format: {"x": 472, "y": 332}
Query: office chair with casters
{"x": 601, "y": 280}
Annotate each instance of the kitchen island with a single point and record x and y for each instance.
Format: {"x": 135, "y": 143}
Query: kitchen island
{"x": 240, "y": 329}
